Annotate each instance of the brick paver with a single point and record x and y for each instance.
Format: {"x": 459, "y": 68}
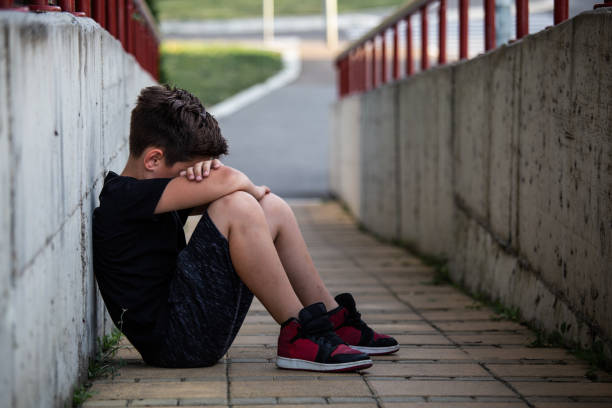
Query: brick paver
{"x": 453, "y": 354}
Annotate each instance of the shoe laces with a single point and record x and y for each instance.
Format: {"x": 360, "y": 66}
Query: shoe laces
{"x": 319, "y": 335}
{"x": 354, "y": 320}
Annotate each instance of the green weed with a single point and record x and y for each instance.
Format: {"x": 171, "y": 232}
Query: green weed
{"x": 100, "y": 365}
{"x": 81, "y": 394}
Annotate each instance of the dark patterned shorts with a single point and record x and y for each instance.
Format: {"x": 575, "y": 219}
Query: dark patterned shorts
{"x": 208, "y": 301}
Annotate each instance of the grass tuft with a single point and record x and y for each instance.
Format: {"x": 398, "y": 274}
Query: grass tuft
{"x": 101, "y": 365}
{"x": 80, "y": 395}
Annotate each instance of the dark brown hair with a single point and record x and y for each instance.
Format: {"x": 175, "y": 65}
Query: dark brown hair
{"x": 174, "y": 120}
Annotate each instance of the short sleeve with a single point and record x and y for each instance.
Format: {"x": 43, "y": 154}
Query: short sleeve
{"x": 136, "y": 199}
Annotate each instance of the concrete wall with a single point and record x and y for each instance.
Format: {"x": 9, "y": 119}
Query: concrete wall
{"x": 505, "y": 168}
{"x": 345, "y": 149}
{"x": 66, "y": 91}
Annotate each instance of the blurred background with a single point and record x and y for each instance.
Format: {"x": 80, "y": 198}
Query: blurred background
{"x": 279, "y": 136}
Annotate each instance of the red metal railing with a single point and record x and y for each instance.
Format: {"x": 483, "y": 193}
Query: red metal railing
{"x": 130, "y": 21}
{"x": 363, "y": 66}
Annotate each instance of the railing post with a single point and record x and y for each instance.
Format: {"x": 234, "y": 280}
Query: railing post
{"x": 340, "y": 72}
{"x": 355, "y": 67}
{"x": 358, "y": 70}
{"x": 374, "y": 64}
{"x": 131, "y": 29}
{"x": 442, "y": 33}
{"x": 345, "y": 75}
{"x": 338, "y": 79}
{"x": 351, "y": 72}
{"x": 152, "y": 47}
{"x": 522, "y": 18}
{"x": 364, "y": 67}
{"x": 409, "y": 68}
{"x": 69, "y": 6}
{"x": 84, "y": 6}
{"x": 98, "y": 12}
{"x": 424, "y": 53}
{"x": 42, "y": 5}
{"x": 489, "y": 9}
{"x": 121, "y": 32}
{"x": 148, "y": 47}
{"x": 111, "y": 17}
{"x": 384, "y": 57}
{"x": 361, "y": 54}
{"x": 395, "y": 52}
{"x": 463, "y": 28}
{"x": 358, "y": 66}
{"x": 561, "y": 11}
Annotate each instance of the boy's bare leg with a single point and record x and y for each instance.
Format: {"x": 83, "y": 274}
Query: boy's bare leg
{"x": 293, "y": 253}
{"x": 240, "y": 218}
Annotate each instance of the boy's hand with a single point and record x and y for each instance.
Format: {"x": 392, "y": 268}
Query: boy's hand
{"x": 200, "y": 170}
{"x": 260, "y": 192}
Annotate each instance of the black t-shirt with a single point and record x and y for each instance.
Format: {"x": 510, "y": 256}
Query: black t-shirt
{"x": 134, "y": 254}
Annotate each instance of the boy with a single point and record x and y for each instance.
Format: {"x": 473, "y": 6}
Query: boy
{"x": 182, "y": 305}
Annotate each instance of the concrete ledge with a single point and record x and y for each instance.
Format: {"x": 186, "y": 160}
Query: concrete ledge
{"x": 504, "y": 168}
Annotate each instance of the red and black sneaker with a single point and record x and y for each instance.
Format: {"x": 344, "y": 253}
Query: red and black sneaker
{"x": 311, "y": 344}
{"x": 355, "y": 332}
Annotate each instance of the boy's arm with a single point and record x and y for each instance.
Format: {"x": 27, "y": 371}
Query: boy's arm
{"x": 182, "y": 193}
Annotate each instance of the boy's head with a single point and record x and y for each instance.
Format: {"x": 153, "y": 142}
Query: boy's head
{"x": 175, "y": 121}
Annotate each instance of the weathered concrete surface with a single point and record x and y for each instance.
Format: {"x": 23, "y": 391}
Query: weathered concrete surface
{"x": 565, "y": 173}
{"x": 345, "y": 154}
{"x": 67, "y": 88}
{"x": 425, "y": 161}
{"x": 6, "y": 313}
{"x": 379, "y": 162}
{"x": 508, "y": 157}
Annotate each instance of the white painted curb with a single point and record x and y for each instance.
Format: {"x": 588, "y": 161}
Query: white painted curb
{"x": 292, "y": 66}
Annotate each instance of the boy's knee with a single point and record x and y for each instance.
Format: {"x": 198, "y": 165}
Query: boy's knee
{"x": 239, "y": 203}
{"x": 272, "y": 203}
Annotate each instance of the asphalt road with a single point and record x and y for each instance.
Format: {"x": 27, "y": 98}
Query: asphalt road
{"x": 282, "y": 140}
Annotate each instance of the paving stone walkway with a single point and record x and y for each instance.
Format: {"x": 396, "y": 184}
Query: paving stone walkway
{"x": 454, "y": 353}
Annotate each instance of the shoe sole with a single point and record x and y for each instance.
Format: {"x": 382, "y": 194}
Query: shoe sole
{"x": 297, "y": 364}
{"x": 376, "y": 351}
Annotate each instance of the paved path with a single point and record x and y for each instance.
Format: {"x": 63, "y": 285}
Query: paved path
{"x": 282, "y": 140}
{"x": 454, "y": 354}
